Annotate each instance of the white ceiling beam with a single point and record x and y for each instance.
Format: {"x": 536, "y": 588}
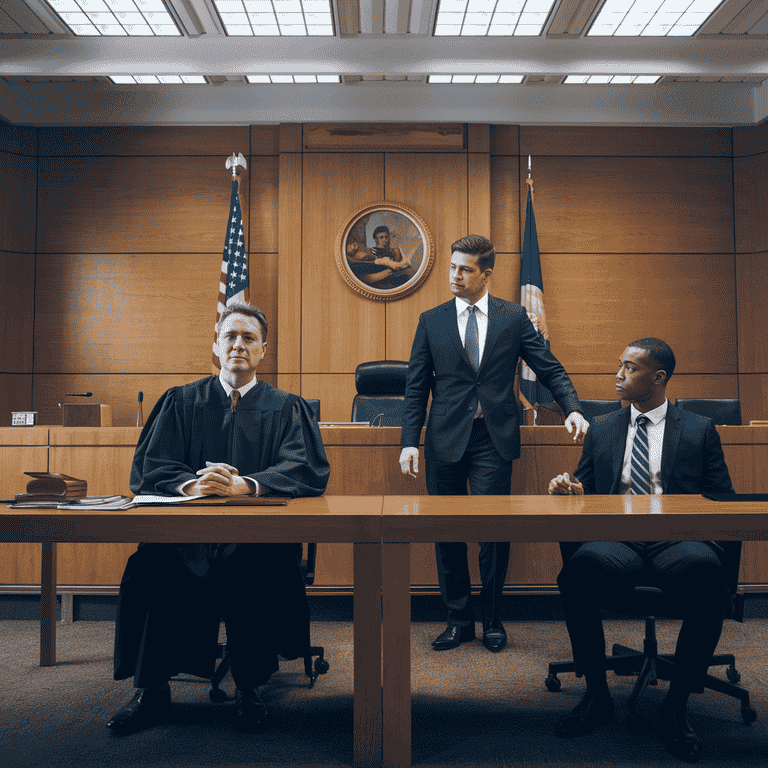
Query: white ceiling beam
{"x": 372, "y": 17}
{"x": 422, "y": 16}
{"x": 396, "y": 15}
{"x": 211, "y": 55}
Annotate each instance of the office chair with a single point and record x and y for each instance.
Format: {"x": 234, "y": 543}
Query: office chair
{"x": 380, "y": 392}
{"x": 593, "y": 408}
{"x": 315, "y": 406}
{"x": 720, "y": 411}
{"x": 649, "y": 665}
{"x": 320, "y": 666}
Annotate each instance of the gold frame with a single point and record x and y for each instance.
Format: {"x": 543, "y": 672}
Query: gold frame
{"x": 405, "y": 230}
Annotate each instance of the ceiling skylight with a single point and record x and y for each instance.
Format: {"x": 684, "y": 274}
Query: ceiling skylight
{"x": 659, "y": 18}
{"x": 476, "y": 79}
{"x": 276, "y": 17}
{"x": 292, "y": 79}
{"x": 492, "y": 17}
{"x": 116, "y": 17}
{"x": 611, "y": 79}
{"x": 164, "y": 79}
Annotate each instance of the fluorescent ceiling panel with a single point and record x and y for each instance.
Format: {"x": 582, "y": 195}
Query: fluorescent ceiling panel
{"x": 279, "y": 18}
{"x": 475, "y": 79}
{"x": 611, "y": 79}
{"x": 491, "y": 18}
{"x": 652, "y": 18}
{"x": 113, "y": 18}
{"x": 291, "y": 79}
{"x": 162, "y": 79}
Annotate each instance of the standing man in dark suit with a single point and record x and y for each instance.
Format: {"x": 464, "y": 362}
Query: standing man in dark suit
{"x": 466, "y": 352}
{"x": 649, "y": 447}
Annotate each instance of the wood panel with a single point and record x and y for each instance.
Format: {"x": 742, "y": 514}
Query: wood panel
{"x": 134, "y": 205}
{"x": 339, "y": 327}
{"x": 18, "y": 139}
{"x": 18, "y": 209}
{"x": 597, "y": 303}
{"x": 290, "y": 137}
{"x": 630, "y": 141}
{"x": 752, "y": 303}
{"x": 505, "y": 281}
{"x": 479, "y": 194}
{"x": 753, "y": 392}
{"x": 441, "y": 198}
{"x": 335, "y": 391}
{"x": 591, "y": 386}
{"x": 478, "y": 138}
{"x": 506, "y": 193}
{"x": 384, "y": 137}
{"x": 17, "y": 276}
{"x": 220, "y": 141}
{"x": 633, "y": 205}
{"x": 751, "y": 203}
{"x": 15, "y": 395}
{"x": 505, "y": 140}
{"x": 264, "y": 180}
{"x": 265, "y": 140}
{"x": 751, "y": 140}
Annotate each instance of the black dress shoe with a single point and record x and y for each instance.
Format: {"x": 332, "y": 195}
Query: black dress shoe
{"x": 453, "y": 637}
{"x": 148, "y": 707}
{"x": 494, "y": 636}
{"x": 251, "y": 714}
{"x": 677, "y": 735}
{"x": 589, "y": 714}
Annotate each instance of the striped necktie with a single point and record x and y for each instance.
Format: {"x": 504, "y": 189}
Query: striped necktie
{"x": 235, "y": 398}
{"x": 641, "y": 471}
{"x": 471, "y": 342}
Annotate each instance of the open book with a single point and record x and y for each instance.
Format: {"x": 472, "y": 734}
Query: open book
{"x": 116, "y": 503}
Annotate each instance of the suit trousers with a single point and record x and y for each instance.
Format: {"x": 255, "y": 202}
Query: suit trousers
{"x": 487, "y": 474}
{"x": 689, "y": 572}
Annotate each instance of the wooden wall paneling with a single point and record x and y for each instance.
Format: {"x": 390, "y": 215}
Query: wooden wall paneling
{"x": 15, "y": 395}
{"x": 601, "y": 386}
{"x": 264, "y": 180}
{"x": 534, "y": 563}
{"x": 15, "y": 460}
{"x": 20, "y": 140}
{"x": 265, "y": 140}
{"x": 335, "y": 391}
{"x": 339, "y": 328}
{"x": 505, "y": 281}
{"x": 752, "y": 305}
{"x": 93, "y": 564}
{"x": 753, "y": 392}
{"x": 111, "y": 313}
{"x": 334, "y": 565}
{"x": 17, "y": 276}
{"x": 20, "y": 563}
{"x": 18, "y": 182}
{"x": 746, "y": 466}
{"x": 479, "y": 138}
{"x": 505, "y": 140}
{"x": 597, "y": 303}
{"x": 751, "y": 203}
{"x": 506, "y": 196}
{"x": 289, "y": 260}
{"x": 377, "y": 466}
{"x": 385, "y": 137}
{"x": 134, "y": 204}
{"x": 633, "y": 204}
{"x": 290, "y": 137}
{"x": 479, "y": 194}
{"x": 615, "y": 141}
{"x": 291, "y": 382}
{"x": 219, "y": 141}
{"x": 751, "y": 140}
{"x": 435, "y": 186}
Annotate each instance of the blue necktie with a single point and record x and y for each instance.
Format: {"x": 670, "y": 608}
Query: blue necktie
{"x": 640, "y": 481}
{"x": 471, "y": 342}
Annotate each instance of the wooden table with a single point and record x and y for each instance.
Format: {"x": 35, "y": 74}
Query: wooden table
{"x": 413, "y": 519}
{"x": 355, "y": 519}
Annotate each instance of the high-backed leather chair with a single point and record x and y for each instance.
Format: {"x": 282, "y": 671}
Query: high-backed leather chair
{"x": 720, "y": 411}
{"x": 315, "y": 406}
{"x": 380, "y": 392}
{"x": 593, "y": 408}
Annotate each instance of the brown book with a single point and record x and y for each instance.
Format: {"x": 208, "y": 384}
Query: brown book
{"x": 50, "y": 486}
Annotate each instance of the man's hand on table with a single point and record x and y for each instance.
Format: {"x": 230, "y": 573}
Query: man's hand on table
{"x": 563, "y": 485}
{"x": 219, "y": 479}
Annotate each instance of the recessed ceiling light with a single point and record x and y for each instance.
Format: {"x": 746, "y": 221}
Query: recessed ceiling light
{"x": 492, "y": 18}
{"x": 475, "y": 79}
{"x": 611, "y": 79}
{"x": 280, "y": 18}
{"x": 162, "y": 79}
{"x": 116, "y": 18}
{"x": 652, "y": 18}
{"x": 292, "y": 79}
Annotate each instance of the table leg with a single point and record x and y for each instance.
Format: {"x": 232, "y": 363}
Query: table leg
{"x": 396, "y": 579}
{"x": 367, "y": 643}
{"x": 48, "y": 605}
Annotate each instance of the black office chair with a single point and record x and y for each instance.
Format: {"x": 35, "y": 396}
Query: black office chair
{"x": 320, "y": 667}
{"x": 720, "y": 411}
{"x": 380, "y": 392}
{"x": 649, "y": 665}
{"x": 315, "y": 406}
{"x": 593, "y": 408}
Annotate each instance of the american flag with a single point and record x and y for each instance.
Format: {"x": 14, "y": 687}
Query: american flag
{"x": 233, "y": 283}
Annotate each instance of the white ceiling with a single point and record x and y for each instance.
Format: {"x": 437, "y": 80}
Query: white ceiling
{"x": 384, "y": 51}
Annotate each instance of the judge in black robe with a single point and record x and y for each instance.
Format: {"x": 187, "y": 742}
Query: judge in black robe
{"x": 172, "y": 596}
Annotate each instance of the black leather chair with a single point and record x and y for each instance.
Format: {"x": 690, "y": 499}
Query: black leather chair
{"x": 315, "y": 406}
{"x": 593, "y": 408}
{"x": 320, "y": 666}
{"x": 649, "y": 665}
{"x": 720, "y": 411}
{"x": 380, "y": 392}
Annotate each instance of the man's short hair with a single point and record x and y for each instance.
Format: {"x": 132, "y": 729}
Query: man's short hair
{"x": 380, "y": 229}
{"x": 479, "y": 246}
{"x": 660, "y": 352}
{"x": 249, "y": 310}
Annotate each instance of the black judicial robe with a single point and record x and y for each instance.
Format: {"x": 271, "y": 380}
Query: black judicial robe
{"x": 170, "y": 600}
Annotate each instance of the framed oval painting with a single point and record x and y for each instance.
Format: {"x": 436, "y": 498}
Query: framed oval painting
{"x": 384, "y": 251}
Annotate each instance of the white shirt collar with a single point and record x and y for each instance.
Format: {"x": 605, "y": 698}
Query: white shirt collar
{"x": 481, "y": 304}
{"x": 654, "y": 416}
{"x": 242, "y": 390}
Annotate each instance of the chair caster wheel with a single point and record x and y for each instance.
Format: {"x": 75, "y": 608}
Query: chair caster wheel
{"x": 553, "y": 683}
{"x": 748, "y": 715}
{"x": 216, "y": 695}
{"x": 733, "y": 675}
{"x": 321, "y": 666}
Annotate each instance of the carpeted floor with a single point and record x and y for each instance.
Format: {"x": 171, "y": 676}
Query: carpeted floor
{"x": 470, "y": 707}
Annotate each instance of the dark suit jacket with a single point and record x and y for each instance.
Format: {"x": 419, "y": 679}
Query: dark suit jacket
{"x": 440, "y": 363}
{"x": 692, "y": 459}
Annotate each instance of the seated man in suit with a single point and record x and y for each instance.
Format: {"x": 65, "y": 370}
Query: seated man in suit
{"x": 649, "y": 447}
{"x": 226, "y": 435}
